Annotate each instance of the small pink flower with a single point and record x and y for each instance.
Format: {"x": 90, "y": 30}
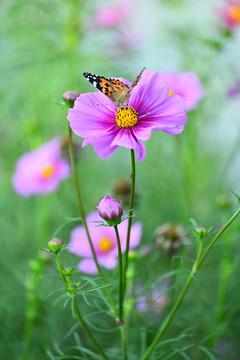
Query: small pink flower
{"x": 95, "y": 117}
{"x": 153, "y": 301}
{"x": 40, "y": 171}
{"x": 104, "y": 242}
{"x": 187, "y": 85}
{"x": 230, "y": 14}
{"x": 111, "y": 16}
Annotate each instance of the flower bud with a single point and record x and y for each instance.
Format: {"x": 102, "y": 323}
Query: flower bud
{"x": 110, "y": 210}
{"x": 68, "y": 271}
{"x": 201, "y": 231}
{"x": 55, "y": 245}
{"x": 70, "y": 97}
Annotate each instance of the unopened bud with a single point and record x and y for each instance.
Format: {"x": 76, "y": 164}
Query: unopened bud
{"x": 70, "y": 97}
{"x": 68, "y": 271}
{"x": 110, "y": 210}
{"x": 55, "y": 245}
{"x": 201, "y": 231}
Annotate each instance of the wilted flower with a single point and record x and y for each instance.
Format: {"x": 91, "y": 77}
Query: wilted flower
{"x": 40, "y": 171}
{"x": 171, "y": 238}
{"x": 230, "y": 14}
{"x": 65, "y": 148}
{"x": 110, "y": 210}
{"x": 121, "y": 190}
{"x": 187, "y": 85}
{"x": 111, "y": 16}
{"x": 104, "y": 242}
{"x": 95, "y": 118}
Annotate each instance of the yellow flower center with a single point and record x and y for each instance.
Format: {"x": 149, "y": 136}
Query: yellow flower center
{"x": 105, "y": 245}
{"x": 126, "y": 117}
{"x": 48, "y": 172}
{"x": 171, "y": 93}
{"x": 234, "y": 12}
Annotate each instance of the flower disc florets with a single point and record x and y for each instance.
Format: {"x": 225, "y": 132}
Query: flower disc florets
{"x": 110, "y": 210}
{"x": 126, "y": 117}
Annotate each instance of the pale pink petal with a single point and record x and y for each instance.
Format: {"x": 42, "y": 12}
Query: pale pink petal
{"x": 187, "y": 85}
{"x": 109, "y": 262}
{"x": 88, "y": 266}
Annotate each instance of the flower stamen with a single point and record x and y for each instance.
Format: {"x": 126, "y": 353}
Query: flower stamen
{"x": 48, "y": 172}
{"x": 105, "y": 245}
{"x": 126, "y": 117}
{"x": 234, "y": 12}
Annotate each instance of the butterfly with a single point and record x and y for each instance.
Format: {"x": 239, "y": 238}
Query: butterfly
{"x": 115, "y": 89}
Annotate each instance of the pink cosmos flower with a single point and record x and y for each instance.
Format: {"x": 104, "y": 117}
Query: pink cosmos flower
{"x": 104, "y": 242}
{"x": 187, "y": 85}
{"x": 40, "y": 171}
{"x": 230, "y": 14}
{"x": 95, "y": 117}
{"x": 112, "y": 16}
{"x": 153, "y": 301}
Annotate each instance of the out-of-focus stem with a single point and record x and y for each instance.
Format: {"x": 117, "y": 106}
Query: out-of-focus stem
{"x": 129, "y": 220}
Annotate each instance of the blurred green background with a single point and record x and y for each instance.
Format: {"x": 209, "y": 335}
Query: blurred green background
{"x": 45, "y": 46}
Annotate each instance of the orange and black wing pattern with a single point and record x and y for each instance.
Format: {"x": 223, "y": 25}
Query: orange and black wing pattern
{"x": 112, "y": 88}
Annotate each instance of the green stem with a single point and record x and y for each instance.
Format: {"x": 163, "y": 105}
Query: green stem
{"x": 195, "y": 268}
{"x": 87, "y": 331}
{"x": 123, "y": 343}
{"x": 129, "y": 221}
{"x": 120, "y": 276}
{"x": 217, "y": 236}
{"x": 61, "y": 271}
{"x": 81, "y": 208}
{"x": 83, "y": 217}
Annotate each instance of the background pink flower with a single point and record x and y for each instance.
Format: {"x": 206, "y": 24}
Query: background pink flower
{"x": 149, "y": 108}
{"x": 104, "y": 242}
{"x": 187, "y": 85}
{"x": 111, "y": 16}
{"x": 40, "y": 171}
{"x": 230, "y": 14}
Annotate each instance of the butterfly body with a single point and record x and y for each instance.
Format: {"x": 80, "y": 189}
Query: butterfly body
{"x": 115, "y": 89}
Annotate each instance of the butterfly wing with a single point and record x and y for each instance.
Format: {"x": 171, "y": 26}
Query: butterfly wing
{"x": 122, "y": 100}
{"x": 109, "y": 87}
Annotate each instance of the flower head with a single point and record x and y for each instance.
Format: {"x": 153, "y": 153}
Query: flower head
{"x": 55, "y": 245}
{"x": 171, "y": 238}
{"x": 187, "y": 85}
{"x": 234, "y": 90}
{"x": 110, "y": 210}
{"x": 104, "y": 242}
{"x": 230, "y": 14}
{"x": 111, "y": 16}
{"x": 40, "y": 171}
{"x": 95, "y": 118}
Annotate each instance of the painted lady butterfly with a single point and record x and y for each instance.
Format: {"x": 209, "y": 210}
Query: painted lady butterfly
{"x": 115, "y": 89}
